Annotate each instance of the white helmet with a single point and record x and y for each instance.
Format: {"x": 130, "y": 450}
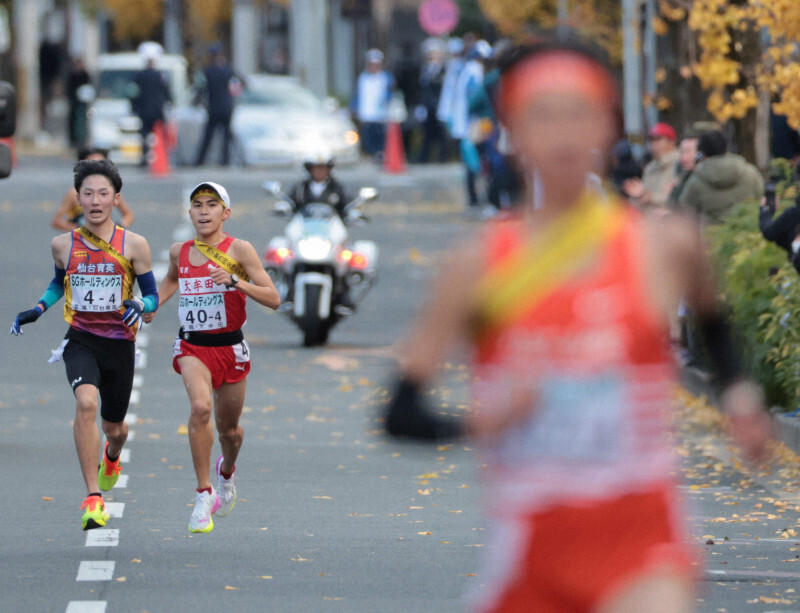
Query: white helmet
{"x": 318, "y": 157}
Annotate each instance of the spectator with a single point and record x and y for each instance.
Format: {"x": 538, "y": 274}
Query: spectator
{"x": 78, "y": 77}
{"x": 469, "y": 82}
{"x": 623, "y": 166}
{"x": 152, "y": 95}
{"x": 658, "y": 178}
{"x": 720, "y": 181}
{"x": 220, "y": 90}
{"x": 785, "y": 139}
{"x": 687, "y": 162}
{"x": 50, "y": 54}
{"x": 783, "y": 230}
{"x": 444, "y": 109}
{"x": 431, "y": 79}
{"x": 406, "y": 76}
{"x": 370, "y": 105}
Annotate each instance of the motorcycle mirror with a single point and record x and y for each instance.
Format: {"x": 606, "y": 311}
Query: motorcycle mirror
{"x": 368, "y": 193}
{"x": 282, "y": 208}
{"x": 272, "y": 187}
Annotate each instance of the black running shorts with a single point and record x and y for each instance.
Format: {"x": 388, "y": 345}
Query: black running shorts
{"x": 105, "y": 363}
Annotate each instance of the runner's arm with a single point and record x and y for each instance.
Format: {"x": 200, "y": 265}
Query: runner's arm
{"x": 260, "y": 287}
{"x": 51, "y": 295}
{"x": 169, "y": 284}
{"x": 742, "y": 400}
{"x": 442, "y": 321}
{"x": 127, "y": 214}
{"x": 60, "y": 221}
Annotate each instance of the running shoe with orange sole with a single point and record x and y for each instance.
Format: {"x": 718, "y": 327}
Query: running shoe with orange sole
{"x": 108, "y": 471}
{"x": 95, "y": 515}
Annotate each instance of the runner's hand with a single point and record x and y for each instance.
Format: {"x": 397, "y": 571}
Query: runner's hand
{"x": 133, "y": 313}
{"x": 26, "y": 317}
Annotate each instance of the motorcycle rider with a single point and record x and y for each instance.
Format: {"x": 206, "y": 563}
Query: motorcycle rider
{"x": 320, "y": 186}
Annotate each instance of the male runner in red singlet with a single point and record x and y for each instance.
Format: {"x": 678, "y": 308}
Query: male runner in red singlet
{"x": 566, "y": 307}
{"x": 214, "y": 274}
{"x": 95, "y": 268}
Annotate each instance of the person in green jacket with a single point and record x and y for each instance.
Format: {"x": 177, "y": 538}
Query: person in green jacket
{"x": 720, "y": 181}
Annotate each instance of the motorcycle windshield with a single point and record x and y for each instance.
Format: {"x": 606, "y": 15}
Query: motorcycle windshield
{"x": 317, "y": 218}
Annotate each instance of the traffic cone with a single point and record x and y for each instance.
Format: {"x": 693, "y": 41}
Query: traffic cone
{"x": 394, "y": 158}
{"x": 158, "y": 156}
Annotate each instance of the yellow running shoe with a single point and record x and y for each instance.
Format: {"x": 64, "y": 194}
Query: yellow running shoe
{"x": 108, "y": 472}
{"x": 95, "y": 515}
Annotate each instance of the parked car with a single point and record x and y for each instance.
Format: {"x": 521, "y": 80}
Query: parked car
{"x": 111, "y": 122}
{"x": 276, "y": 121}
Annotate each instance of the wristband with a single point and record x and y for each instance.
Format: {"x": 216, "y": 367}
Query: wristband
{"x": 408, "y": 416}
{"x": 718, "y": 341}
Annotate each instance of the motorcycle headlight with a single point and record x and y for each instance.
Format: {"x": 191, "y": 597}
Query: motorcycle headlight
{"x": 314, "y": 248}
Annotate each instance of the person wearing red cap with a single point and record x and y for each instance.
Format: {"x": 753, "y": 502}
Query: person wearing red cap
{"x": 215, "y": 274}
{"x": 660, "y": 173}
{"x": 565, "y": 307}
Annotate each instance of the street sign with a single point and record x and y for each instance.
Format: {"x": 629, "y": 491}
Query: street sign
{"x": 438, "y": 17}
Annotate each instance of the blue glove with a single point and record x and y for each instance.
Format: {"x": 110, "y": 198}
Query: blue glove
{"x": 26, "y": 317}
{"x": 134, "y": 311}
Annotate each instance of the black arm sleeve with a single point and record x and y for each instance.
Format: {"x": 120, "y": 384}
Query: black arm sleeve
{"x": 407, "y": 416}
{"x": 716, "y": 336}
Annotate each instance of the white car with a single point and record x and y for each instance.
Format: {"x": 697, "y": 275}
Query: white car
{"x": 112, "y": 124}
{"x": 276, "y": 121}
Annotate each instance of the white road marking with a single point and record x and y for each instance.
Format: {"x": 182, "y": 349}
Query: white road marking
{"x": 86, "y": 606}
{"x": 125, "y": 455}
{"x": 121, "y": 483}
{"x": 138, "y": 380}
{"x": 108, "y": 537}
{"x": 115, "y": 509}
{"x": 135, "y": 397}
{"x": 131, "y": 418}
{"x": 131, "y": 436}
{"x": 98, "y": 570}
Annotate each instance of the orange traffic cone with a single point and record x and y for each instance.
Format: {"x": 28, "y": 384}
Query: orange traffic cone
{"x": 394, "y": 159}
{"x": 158, "y": 156}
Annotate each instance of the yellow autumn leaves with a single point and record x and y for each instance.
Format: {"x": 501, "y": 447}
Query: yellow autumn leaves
{"x": 720, "y": 26}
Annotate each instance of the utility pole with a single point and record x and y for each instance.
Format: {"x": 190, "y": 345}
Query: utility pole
{"x": 26, "y": 31}
{"x": 244, "y": 39}
{"x": 632, "y": 72}
{"x": 308, "y": 40}
{"x": 173, "y": 38}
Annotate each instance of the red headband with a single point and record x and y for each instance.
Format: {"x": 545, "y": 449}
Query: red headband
{"x": 557, "y": 71}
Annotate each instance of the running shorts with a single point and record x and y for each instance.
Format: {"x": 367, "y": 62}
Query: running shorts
{"x": 106, "y": 363}
{"x": 572, "y": 558}
{"x": 228, "y": 364}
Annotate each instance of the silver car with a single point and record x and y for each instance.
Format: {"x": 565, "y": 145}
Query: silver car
{"x": 276, "y": 121}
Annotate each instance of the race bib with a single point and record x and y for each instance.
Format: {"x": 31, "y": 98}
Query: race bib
{"x": 202, "y": 312}
{"x": 202, "y": 305}
{"x": 96, "y": 293}
{"x": 580, "y": 419}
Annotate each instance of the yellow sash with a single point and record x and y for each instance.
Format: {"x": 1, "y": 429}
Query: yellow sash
{"x": 544, "y": 262}
{"x": 222, "y": 259}
{"x": 107, "y": 248}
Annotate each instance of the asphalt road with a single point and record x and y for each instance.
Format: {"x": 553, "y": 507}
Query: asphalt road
{"x": 331, "y": 516}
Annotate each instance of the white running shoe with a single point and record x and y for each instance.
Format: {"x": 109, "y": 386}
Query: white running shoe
{"x": 205, "y": 506}
{"x": 227, "y": 492}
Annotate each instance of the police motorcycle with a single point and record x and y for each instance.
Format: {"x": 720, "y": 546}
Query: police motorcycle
{"x": 320, "y": 274}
